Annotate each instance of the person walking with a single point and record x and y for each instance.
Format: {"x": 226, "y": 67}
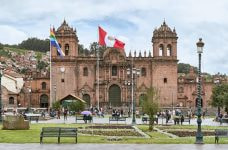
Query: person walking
{"x": 65, "y": 114}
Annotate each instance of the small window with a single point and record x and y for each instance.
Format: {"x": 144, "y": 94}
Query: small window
{"x": 143, "y": 70}
{"x": 67, "y": 49}
{"x": 180, "y": 89}
{"x": 62, "y": 80}
{"x": 114, "y": 70}
{"x": 11, "y": 100}
{"x": 43, "y": 85}
{"x": 161, "y": 49}
{"x": 85, "y": 71}
{"x": 165, "y": 80}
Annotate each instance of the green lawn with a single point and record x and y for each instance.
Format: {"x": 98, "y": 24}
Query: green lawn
{"x": 32, "y": 136}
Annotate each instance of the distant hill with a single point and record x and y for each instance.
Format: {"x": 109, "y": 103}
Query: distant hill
{"x": 33, "y": 43}
{"x": 184, "y": 68}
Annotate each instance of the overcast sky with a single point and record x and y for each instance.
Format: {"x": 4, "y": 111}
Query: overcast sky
{"x": 132, "y": 21}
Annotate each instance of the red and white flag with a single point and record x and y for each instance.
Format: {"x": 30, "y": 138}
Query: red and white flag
{"x": 106, "y": 40}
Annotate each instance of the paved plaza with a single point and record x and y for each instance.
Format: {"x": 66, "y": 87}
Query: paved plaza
{"x": 98, "y": 120}
{"x": 112, "y": 147}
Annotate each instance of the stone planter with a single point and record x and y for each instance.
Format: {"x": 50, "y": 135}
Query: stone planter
{"x": 15, "y": 123}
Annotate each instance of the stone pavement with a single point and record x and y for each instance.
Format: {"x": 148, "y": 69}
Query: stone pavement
{"x": 112, "y": 147}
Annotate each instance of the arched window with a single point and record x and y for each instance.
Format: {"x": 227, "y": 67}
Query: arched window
{"x": 11, "y": 100}
{"x": 143, "y": 71}
{"x": 43, "y": 85}
{"x": 161, "y": 50}
{"x": 169, "y": 50}
{"x": 114, "y": 70}
{"x": 85, "y": 71}
{"x": 67, "y": 48}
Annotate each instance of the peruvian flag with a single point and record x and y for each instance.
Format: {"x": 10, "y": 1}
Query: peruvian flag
{"x": 105, "y": 40}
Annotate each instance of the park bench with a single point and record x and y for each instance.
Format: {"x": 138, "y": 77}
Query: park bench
{"x": 32, "y": 117}
{"x": 58, "y": 132}
{"x": 86, "y": 118}
{"x": 220, "y": 133}
{"x": 117, "y": 119}
{"x": 187, "y": 119}
{"x": 224, "y": 120}
{"x": 145, "y": 119}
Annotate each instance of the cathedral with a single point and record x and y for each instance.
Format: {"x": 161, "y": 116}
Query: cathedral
{"x": 77, "y": 75}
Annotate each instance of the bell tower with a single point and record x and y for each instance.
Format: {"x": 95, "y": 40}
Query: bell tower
{"x": 164, "y": 42}
{"x": 164, "y": 65}
{"x": 68, "y": 41}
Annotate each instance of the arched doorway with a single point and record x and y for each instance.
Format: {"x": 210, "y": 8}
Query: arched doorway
{"x": 43, "y": 101}
{"x": 114, "y": 95}
{"x": 86, "y": 98}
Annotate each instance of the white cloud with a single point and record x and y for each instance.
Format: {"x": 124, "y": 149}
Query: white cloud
{"x": 11, "y": 35}
{"x": 135, "y": 20}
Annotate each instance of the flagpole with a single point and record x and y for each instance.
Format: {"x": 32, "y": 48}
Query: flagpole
{"x": 98, "y": 82}
{"x": 51, "y": 99}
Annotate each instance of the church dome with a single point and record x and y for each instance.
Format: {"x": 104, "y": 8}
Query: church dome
{"x": 65, "y": 28}
{"x": 164, "y": 31}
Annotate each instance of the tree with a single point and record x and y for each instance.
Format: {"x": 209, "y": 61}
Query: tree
{"x": 150, "y": 105}
{"x": 185, "y": 68}
{"x": 41, "y": 65}
{"x": 1, "y": 46}
{"x": 77, "y": 106}
{"x": 94, "y": 47}
{"x": 56, "y": 105}
{"x": 219, "y": 97}
{"x": 35, "y": 44}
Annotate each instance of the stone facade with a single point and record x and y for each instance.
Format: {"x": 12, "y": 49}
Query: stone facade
{"x": 187, "y": 88}
{"x": 36, "y": 90}
{"x": 75, "y": 74}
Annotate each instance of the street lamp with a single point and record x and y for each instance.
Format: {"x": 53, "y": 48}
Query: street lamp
{"x": 134, "y": 72}
{"x": 30, "y": 93}
{"x": 55, "y": 93}
{"x": 1, "y": 95}
{"x": 30, "y": 90}
{"x": 199, "y": 135}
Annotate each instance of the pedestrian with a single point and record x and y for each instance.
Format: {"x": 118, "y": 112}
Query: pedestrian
{"x": 182, "y": 119}
{"x": 65, "y": 113}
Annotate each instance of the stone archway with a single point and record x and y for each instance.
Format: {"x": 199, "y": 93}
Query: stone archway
{"x": 86, "y": 98}
{"x": 43, "y": 101}
{"x": 114, "y": 95}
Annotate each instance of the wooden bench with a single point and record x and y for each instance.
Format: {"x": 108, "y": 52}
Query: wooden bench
{"x": 220, "y": 133}
{"x": 32, "y": 117}
{"x": 187, "y": 119}
{"x": 87, "y": 118}
{"x": 117, "y": 119}
{"x": 58, "y": 132}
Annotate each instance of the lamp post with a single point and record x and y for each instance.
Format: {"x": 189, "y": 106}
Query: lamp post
{"x": 199, "y": 135}
{"x": 30, "y": 93}
{"x": 55, "y": 93}
{"x": 134, "y": 72}
{"x": 0, "y": 95}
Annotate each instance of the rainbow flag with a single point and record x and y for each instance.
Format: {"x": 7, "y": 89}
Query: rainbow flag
{"x": 53, "y": 42}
